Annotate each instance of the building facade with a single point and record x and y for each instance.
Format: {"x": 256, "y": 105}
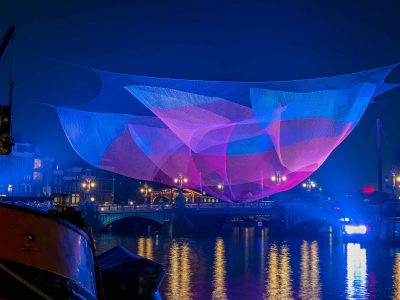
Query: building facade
{"x": 84, "y": 184}
{"x": 25, "y": 173}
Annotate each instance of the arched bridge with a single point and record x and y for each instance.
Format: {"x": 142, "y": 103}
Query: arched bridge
{"x": 100, "y": 216}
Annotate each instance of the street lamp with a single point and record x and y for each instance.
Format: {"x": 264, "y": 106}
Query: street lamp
{"x": 180, "y": 199}
{"x": 309, "y": 184}
{"x": 278, "y": 178}
{"x": 88, "y": 185}
{"x": 146, "y": 190}
{"x": 394, "y": 181}
{"x": 180, "y": 180}
{"x": 220, "y": 187}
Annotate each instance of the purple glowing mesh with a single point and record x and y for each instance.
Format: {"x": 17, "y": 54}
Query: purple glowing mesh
{"x": 236, "y": 134}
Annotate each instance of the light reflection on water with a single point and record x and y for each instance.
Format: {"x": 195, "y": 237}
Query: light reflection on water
{"x": 279, "y": 283}
{"x": 273, "y": 274}
{"x": 249, "y": 264}
{"x": 309, "y": 271}
{"x": 219, "y": 276}
{"x": 145, "y": 247}
{"x": 179, "y": 273}
{"x": 396, "y": 277}
{"x": 356, "y": 278}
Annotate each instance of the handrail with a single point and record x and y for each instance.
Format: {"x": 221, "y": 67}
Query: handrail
{"x": 191, "y": 206}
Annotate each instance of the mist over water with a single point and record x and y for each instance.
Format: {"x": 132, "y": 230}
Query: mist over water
{"x": 251, "y": 264}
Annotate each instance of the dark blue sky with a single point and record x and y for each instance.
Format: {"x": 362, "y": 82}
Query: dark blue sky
{"x": 214, "y": 40}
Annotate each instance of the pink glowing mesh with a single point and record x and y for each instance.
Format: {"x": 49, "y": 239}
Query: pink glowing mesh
{"x": 254, "y": 139}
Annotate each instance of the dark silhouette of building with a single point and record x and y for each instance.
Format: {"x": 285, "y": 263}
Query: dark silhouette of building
{"x": 26, "y": 172}
{"x": 84, "y": 184}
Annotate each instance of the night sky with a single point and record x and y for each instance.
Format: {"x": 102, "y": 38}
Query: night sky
{"x": 216, "y": 40}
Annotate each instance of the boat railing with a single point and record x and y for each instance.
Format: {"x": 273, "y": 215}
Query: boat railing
{"x": 40, "y": 206}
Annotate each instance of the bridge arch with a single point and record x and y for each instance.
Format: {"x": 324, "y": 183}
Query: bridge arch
{"x": 133, "y": 224}
{"x": 107, "y": 220}
{"x": 161, "y": 199}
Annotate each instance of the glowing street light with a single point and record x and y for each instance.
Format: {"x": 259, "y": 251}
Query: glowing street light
{"x": 394, "y": 182}
{"x": 309, "y": 184}
{"x": 88, "y": 184}
{"x": 278, "y": 178}
{"x": 180, "y": 200}
{"x": 146, "y": 190}
{"x": 180, "y": 180}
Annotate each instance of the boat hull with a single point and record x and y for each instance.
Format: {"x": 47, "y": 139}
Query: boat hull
{"x": 36, "y": 245}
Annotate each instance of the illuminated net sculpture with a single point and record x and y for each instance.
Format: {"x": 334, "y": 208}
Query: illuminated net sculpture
{"x": 252, "y": 139}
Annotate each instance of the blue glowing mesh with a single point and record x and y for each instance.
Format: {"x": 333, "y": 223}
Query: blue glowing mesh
{"x": 252, "y": 138}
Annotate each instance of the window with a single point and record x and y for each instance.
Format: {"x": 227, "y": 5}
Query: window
{"x": 75, "y": 198}
{"x": 396, "y": 230}
{"x": 37, "y": 163}
{"x": 37, "y": 175}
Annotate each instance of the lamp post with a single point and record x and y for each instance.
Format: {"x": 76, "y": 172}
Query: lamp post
{"x": 309, "y": 184}
{"x": 88, "y": 184}
{"x": 180, "y": 180}
{"x": 220, "y": 188}
{"x": 180, "y": 199}
{"x": 146, "y": 190}
{"x": 278, "y": 178}
{"x": 394, "y": 181}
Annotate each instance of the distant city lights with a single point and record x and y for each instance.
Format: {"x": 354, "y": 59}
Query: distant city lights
{"x": 355, "y": 229}
{"x": 278, "y": 178}
{"x": 368, "y": 190}
{"x": 309, "y": 185}
{"x": 180, "y": 180}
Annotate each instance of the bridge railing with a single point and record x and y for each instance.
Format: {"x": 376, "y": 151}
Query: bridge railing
{"x": 155, "y": 207}
{"x": 229, "y": 205}
{"x": 142, "y": 207}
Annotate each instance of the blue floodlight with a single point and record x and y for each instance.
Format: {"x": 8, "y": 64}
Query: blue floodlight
{"x": 355, "y": 229}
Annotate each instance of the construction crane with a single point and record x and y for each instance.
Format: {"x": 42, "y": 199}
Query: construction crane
{"x": 6, "y": 140}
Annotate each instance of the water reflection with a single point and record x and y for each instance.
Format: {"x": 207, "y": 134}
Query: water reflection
{"x": 285, "y": 274}
{"x": 309, "y": 271}
{"x": 141, "y": 246}
{"x": 246, "y": 249}
{"x": 329, "y": 269}
{"x": 279, "y": 282}
{"x": 179, "y": 273}
{"x": 219, "y": 275}
{"x": 314, "y": 282}
{"x": 145, "y": 247}
{"x": 356, "y": 278}
{"x": 396, "y": 277}
{"x": 263, "y": 241}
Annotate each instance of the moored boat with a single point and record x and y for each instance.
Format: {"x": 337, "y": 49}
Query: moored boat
{"x": 44, "y": 256}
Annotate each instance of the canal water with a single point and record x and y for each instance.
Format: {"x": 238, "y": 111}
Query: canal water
{"x": 251, "y": 264}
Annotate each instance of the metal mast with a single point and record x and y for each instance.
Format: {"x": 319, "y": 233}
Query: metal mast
{"x": 379, "y": 153}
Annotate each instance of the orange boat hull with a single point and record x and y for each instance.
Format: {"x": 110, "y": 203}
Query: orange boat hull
{"x": 38, "y": 241}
